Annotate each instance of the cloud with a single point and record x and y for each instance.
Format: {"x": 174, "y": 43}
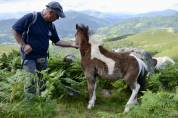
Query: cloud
{"x": 134, "y": 6}
{"x": 22, "y": 5}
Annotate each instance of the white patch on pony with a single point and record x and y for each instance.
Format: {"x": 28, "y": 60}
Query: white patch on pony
{"x": 93, "y": 98}
{"x": 132, "y": 100}
{"x": 95, "y": 53}
{"x": 141, "y": 64}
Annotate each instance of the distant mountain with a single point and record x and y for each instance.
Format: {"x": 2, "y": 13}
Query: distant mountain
{"x": 5, "y": 31}
{"x": 109, "y": 24}
{"x": 66, "y": 27}
{"x": 168, "y": 12}
{"x": 4, "y": 16}
{"x": 110, "y": 17}
{"x": 119, "y": 17}
{"x": 139, "y": 24}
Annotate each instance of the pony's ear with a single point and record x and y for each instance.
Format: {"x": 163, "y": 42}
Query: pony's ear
{"x": 87, "y": 28}
{"x": 77, "y": 26}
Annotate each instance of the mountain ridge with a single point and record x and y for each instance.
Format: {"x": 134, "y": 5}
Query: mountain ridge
{"x": 109, "y": 24}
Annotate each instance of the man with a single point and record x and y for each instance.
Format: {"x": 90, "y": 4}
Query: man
{"x": 34, "y": 44}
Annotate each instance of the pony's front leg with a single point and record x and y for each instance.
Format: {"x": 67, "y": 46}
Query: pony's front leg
{"x": 91, "y": 89}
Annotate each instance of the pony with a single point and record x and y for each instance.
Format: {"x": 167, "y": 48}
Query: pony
{"x": 98, "y": 61}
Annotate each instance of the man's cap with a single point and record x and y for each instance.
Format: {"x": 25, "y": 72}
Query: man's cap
{"x": 57, "y": 8}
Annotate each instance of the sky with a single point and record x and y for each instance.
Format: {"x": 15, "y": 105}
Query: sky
{"x": 121, "y": 6}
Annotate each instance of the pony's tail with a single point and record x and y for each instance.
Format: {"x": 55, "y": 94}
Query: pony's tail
{"x": 142, "y": 79}
{"x": 143, "y": 69}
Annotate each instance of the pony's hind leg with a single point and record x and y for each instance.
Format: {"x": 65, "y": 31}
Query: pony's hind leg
{"x": 133, "y": 98}
{"x": 92, "y": 94}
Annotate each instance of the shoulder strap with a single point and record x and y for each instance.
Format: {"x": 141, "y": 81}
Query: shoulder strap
{"x": 52, "y": 26}
{"x": 34, "y": 18}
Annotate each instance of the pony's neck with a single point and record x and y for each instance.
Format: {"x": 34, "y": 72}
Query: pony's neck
{"x": 85, "y": 52}
{"x": 85, "y": 47}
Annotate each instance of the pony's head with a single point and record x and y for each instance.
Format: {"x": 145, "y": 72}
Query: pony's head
{"x": 81, "y": 35}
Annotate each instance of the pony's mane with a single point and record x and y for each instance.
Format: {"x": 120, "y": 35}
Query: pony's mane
{"x": 88, "y": 33}
{"x": 85, "y": 29}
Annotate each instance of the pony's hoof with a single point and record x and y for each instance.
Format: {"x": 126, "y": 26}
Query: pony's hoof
{"x": 126, "y": 110}
{"x": 90, "y": 106}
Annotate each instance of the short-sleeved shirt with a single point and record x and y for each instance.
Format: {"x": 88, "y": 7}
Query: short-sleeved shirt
{"x": 39, "y": 34}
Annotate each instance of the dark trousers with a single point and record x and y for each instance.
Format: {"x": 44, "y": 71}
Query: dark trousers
{"x": 33, "y": 66}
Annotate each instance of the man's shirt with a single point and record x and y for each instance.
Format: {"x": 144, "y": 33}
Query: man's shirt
{"x": 39, "y": 34}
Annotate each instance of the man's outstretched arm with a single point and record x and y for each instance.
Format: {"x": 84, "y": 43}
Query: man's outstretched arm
{"x": 66, "y": 44}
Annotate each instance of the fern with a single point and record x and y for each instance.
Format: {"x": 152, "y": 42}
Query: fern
{"x": 156, "y": 105}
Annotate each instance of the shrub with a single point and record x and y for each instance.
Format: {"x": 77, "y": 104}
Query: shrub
{"x": 10, "y": 61}
{"x": 166, "y": 79}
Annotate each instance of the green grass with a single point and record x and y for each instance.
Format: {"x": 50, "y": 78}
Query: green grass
{"x": 76, "y": 107}
{"x": 163, "y": 42}
{"x": 6, "y": 48}
{"x": 53, "y": 50}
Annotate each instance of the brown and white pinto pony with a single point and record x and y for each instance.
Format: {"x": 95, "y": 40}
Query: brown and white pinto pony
{"x": 96, "y": 60}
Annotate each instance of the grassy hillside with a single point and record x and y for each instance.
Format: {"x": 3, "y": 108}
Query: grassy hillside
{"x": 6, "y": 48}
{"x": 53, "y": 50}
{"x": 161, "y": 42}
{"x": 139, "y": 24}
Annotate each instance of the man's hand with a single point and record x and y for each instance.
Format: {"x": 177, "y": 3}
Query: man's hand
{"x": 27, "y": 48}
{"x": 76, "y": 46}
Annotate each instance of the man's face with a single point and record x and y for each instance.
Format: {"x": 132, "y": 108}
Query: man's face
{"x": 52, "y": 16}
